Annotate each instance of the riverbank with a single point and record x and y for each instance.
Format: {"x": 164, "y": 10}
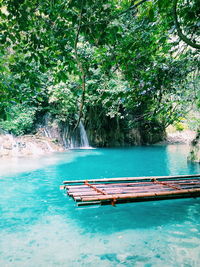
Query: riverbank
{"x": 179, "y": 137}
{"x": 27, "y": 145}
{"x": 37, "y": 145}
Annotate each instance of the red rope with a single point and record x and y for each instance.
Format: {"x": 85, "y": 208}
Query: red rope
{"x": 113, "y": 201}
{"x": 96, "y": 189}
{"x": 167, "y": 184}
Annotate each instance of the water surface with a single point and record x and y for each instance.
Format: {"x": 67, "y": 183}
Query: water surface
{"x": 41, "y": 226}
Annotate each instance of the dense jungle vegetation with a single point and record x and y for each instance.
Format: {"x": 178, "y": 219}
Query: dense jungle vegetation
{"x": 117, "y": 65}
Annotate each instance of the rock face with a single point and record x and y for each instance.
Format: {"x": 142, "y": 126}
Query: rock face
{"x": 26, "y": 145}
{"x": 112, "y": 132}
{"x": 52, "y": 136}
{"x": 49, "y": 128}
{"x": 63, "y": 133}
{"x": 183, "y": 137}
{"x": 194, "y": 155}
{"x": 114, "y": 137}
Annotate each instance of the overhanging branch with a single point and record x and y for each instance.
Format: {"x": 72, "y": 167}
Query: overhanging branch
{"x": 178, "y": 28}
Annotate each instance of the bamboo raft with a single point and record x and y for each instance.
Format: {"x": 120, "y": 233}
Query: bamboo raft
{"x": 132, "y": 189}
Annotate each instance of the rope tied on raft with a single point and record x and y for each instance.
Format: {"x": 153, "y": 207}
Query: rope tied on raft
{"x": 166, "y": 184}
{"x": 95, "y": 188}
{"x": 113, "y": 201}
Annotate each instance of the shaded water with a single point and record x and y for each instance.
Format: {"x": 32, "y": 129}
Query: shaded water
{"x": 40, "y": 225}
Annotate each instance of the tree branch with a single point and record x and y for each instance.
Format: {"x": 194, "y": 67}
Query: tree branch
{"x": 132, "y": 7}
{"x": 178, "y": 28}
{"x": 81, "y": 69}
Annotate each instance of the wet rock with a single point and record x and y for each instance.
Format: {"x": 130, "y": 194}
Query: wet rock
{"x": 7, "y": 145}
{"x": 194, "y": 155}
{"x": 11, "y": 146}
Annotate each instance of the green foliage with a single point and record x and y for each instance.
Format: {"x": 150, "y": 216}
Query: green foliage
{"x": 20, "y": 120}
{"x": 135, "y": 69}
{"x": 62, "y": 101}
{"x": 179, "y": 126}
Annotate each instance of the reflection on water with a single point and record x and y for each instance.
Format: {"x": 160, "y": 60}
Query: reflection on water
{"x": 177, "y": 160}
{"x": 40, "y": 225}
{"x": 10, "y": 166}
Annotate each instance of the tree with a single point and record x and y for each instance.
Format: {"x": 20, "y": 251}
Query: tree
{"x": 123, "y": 57}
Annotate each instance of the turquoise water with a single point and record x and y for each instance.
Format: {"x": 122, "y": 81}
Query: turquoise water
{"x": 41, "y": 226}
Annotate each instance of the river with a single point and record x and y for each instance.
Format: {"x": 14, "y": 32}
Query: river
{"x": 41, "y": 226}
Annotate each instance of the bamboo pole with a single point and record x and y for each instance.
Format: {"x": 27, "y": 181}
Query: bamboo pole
{"x": 77, "y": 188}
{"x": 142, "y": 195}
{"x": 88, "y": 203}
{"x": 141, "y": 188}
{"x": 131, "y": 200}
{"x": 130, "y": 179}
{"x": 125, "y": 190}
{"x": 102, "y": 185}
{"x": 116, "y": 187}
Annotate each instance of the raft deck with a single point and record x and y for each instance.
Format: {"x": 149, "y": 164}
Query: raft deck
{"x": 132, "y": 189}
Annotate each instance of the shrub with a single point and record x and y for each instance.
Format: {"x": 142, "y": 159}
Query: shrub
{"x": 19, "y": 121}
{"x": 180, "y": 126}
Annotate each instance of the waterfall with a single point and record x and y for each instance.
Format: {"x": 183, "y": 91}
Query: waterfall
{"x": 83, "y": 135}
{"x": 73, "y": 143}
{"x": 47, "y": 132}
{"x": 79, "y": 139}
{"x": 50, "y": 149}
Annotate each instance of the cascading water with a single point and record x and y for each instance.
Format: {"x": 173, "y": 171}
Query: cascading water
{"x": 79, "y": 139}
{"x": 83, "y": 136}
{"x": 47, "y": 133}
